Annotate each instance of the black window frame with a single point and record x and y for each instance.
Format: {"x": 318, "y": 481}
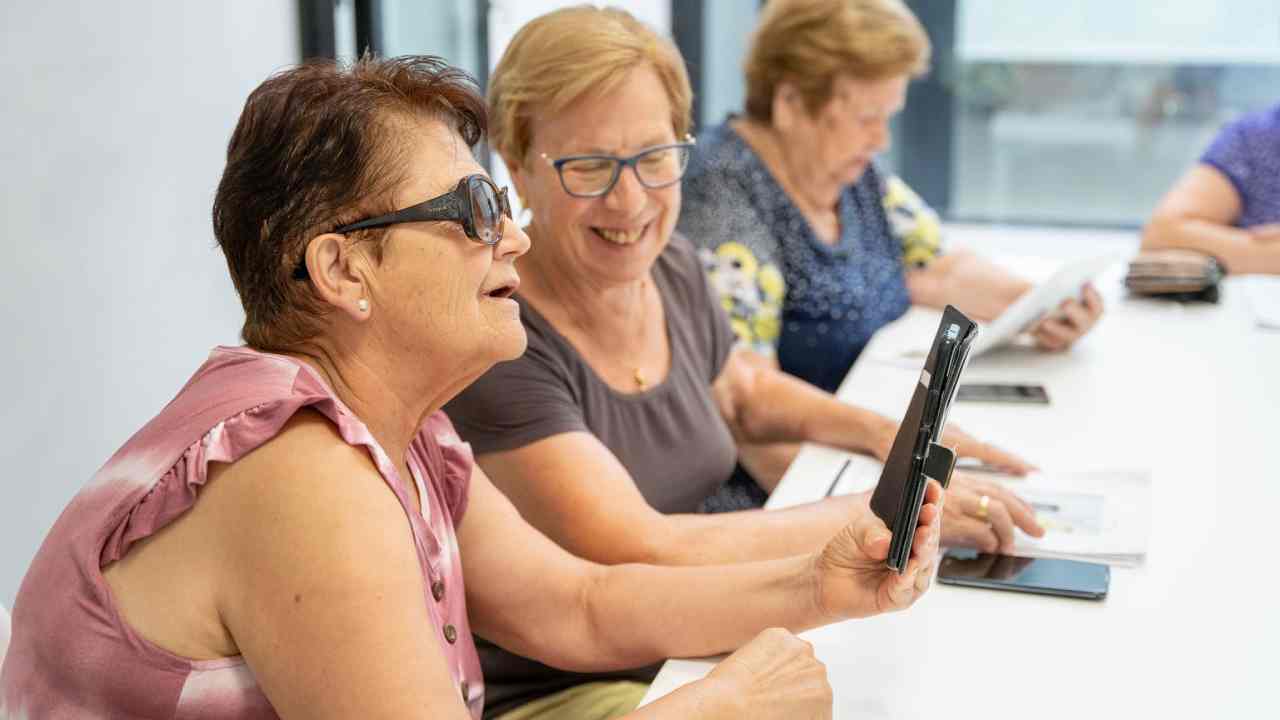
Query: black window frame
{"x": 318, "y": 32}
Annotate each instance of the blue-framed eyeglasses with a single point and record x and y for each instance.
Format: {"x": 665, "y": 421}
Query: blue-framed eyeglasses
{"x": 591, "y": 176}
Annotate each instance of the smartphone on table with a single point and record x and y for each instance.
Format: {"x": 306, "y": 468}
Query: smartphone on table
{"x": 1042, "y": 576}
{"x": 1002, "y": 393}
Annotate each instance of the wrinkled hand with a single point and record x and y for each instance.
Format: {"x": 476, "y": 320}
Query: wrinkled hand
{"x": 966, "y": 445}
{"x": 852, "y": 579}
{"x": 962, "y": 523}
{"x": 1058, "y": 330}
{"x": 775, "y": 677}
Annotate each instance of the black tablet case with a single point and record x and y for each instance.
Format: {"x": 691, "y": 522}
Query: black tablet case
{"x": 900, "y": 491}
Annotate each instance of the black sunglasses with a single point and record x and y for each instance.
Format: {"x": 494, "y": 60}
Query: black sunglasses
{"x": 476, "y": 204}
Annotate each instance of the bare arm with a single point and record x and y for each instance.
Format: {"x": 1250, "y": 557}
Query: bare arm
{"x": 1197, "y": 214}
{"x": 976, "y": 286}
{"x": 764, "y": 405}
{"x": 573, "y": 489}
{"x": 528, "y": 595}
{"x": 587, "y": 616}
{"x": 767, "y": 462}
{"x": 319, "y": 583}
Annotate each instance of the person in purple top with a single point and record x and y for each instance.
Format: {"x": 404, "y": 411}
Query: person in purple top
{"x": 1228, "y": 205}
{"x": 301, "y": 533}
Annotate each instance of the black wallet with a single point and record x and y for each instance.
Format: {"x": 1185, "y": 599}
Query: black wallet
{"x": 916, "y": 454}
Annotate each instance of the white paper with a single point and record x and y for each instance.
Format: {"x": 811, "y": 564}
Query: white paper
{"x": 1044, "y": 298}
{"x": 906, "y": 343}
{"x": 1099, "y": 516}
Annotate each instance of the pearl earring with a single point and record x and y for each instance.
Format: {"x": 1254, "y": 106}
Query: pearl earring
{"x": 363, "y": 305}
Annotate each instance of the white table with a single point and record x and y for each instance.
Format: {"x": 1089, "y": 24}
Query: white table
{"x": 1190, "y": 392}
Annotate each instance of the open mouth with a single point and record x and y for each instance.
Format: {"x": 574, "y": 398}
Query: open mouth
{"x": 504, "y": 291}
{"x": 619, "y": 236}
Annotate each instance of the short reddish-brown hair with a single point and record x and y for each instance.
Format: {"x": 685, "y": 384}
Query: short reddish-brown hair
{"x": 317, "y": 146}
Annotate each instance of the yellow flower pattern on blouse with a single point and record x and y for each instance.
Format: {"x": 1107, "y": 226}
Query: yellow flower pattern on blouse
{"x": 752, "y": 292}
{"x": 913, "y": 222}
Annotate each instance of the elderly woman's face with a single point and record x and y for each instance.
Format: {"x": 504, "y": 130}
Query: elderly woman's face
{"x": 842, "y": 137}
{"x": 436, "y": 287}
{"x": 612, "y": 239}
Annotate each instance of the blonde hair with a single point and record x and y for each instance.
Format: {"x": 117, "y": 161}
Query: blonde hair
{"x": 809, "y": 43}
{"x": 559, "y": 57}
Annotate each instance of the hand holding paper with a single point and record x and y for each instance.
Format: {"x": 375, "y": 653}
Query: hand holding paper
{"x": 1075, "y": 317}
{"x": 1065, "y": 292}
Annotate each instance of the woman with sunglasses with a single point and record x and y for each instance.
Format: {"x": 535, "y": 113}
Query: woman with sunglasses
{"x": 300, "y": 533}
{"x": 629, "y": 409}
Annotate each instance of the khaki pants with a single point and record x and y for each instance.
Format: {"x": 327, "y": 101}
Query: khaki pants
{"x": 592, "y": 701}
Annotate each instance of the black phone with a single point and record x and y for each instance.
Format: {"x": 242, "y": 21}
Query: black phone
{"x": 1002, "y": 393}
{"x": 916, "y": 454}
{"x": 1042, "y": 576}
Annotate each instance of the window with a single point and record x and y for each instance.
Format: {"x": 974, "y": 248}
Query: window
{"x": 1079, "y": 113}
{"x": 470, "y": 34}
{"x": 448, "y": 28}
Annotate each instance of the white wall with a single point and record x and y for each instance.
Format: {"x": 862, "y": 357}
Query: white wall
{"x": 113, "y": 127}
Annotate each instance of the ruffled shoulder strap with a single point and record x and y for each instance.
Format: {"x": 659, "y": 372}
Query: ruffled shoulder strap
{"x": 456, "y": 459}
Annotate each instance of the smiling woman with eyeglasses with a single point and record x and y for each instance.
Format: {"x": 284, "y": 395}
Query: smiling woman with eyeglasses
{"x": 589, "y": 176}
{"x": 300, "y": 533}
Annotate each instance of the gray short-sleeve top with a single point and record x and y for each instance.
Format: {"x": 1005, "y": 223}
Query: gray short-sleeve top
{"x": 670, "y": 438}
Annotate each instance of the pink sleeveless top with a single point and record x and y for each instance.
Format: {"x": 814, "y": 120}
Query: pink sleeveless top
{"x": 71, "y": 654}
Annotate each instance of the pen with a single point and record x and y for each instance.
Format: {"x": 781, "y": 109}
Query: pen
{"x": 839, "y": 475}
{"x": 1045, "y": 507}
{"x": 981, "y": 468}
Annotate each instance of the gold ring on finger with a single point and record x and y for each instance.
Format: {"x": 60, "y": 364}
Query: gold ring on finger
{"x": 983, "y": 513}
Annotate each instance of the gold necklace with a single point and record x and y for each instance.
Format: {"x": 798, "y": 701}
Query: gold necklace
{"x": 637, "y": 372}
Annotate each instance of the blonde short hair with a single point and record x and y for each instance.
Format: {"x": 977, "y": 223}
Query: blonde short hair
{"x": 559, "y": 57}
{"x": 809, "y": 43}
